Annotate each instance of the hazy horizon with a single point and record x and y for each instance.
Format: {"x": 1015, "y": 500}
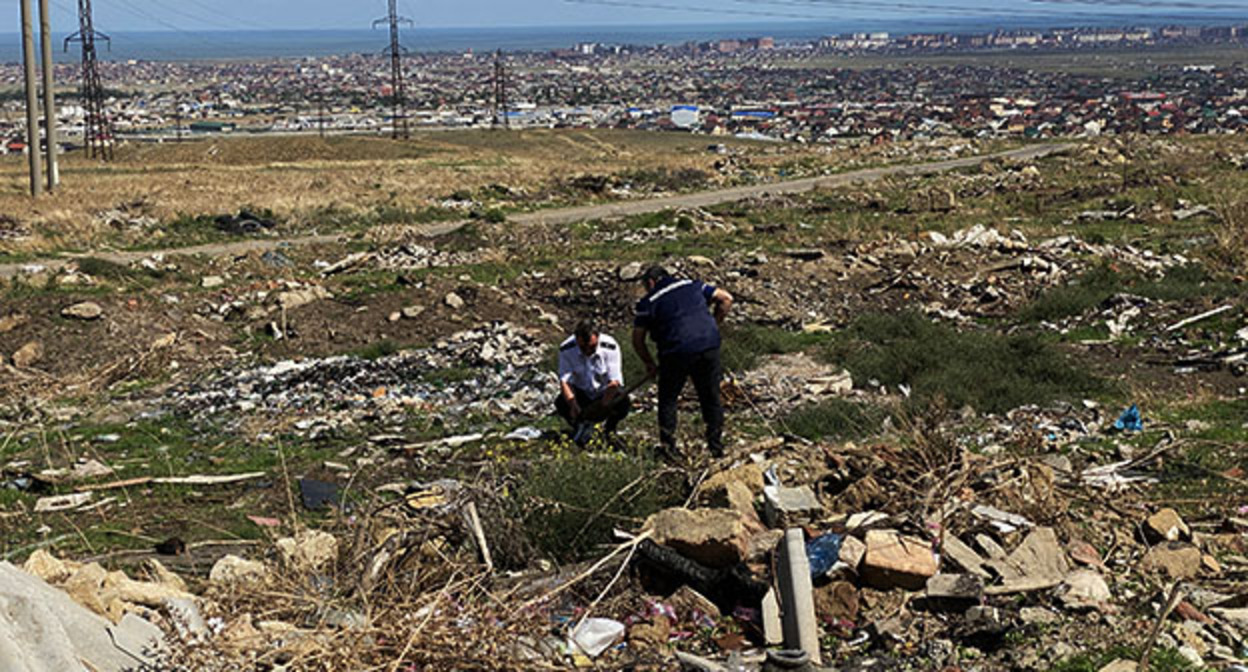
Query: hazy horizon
{"x": 321, "y": 15}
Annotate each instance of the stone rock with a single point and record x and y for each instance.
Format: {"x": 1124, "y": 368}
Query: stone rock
{"x": 143, "y": 592}
{"x": 893, "y": 561}
{"x": 1085, "y": 554}
{"x": 211, "y": 281}
{"x": 395, "y": 316}
{"x": 699, "y": 260}
{"x": 1120, "y": 665}
{"x": 412, "y": 312}
{"x": 956, "y": 591}
{"x": 787, "y": 507}
{"x": 85, "y": 586}
{"x": 10, "y": 322}
{"x": 87, "y": 310}
{"x": 28, "y": 355}
{"x": 713, "y": 537}
{"x": 1176, "y": 559}
{"x": 837, "y": 601}
{"x": 1166, "y": 525}
{"x": 737, "y": 496}
{"x": 301, "y": 297}
{"x": 453, "y": 301}
{"x": 233, "y": 570}
{"x": 1084, "y": 589}
{"x": 310, "y": 549}
{"x": 630, "y": 272}
{"x": 161, "y": 575}
{"x": 47, "y": 567}
{"x": 750, "y": 475}
{"x": 1037, "y": 615}
{"x": 42, "y": 629}
{"x": 761, "y": 543}
{"x": 852, "y": 551}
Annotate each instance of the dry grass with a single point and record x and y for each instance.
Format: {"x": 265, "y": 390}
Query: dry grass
{"x": 297, "y": 178}
{"x": 1231, "y": 230}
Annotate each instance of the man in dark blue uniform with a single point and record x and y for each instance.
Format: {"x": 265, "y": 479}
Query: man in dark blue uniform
{"x": 677, "y": 315}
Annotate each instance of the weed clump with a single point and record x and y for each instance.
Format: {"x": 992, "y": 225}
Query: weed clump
{"x": 835, "y": 419}
{"x": 570, "y": 502}
{"x": 987, "y": 371}
{"x": 744, "y": 345}
{"x": 1101, "y": 282}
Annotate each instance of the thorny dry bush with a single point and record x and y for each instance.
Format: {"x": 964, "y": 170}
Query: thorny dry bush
{"x": 1231, "y": 231}
{"x": 408, "y": 592}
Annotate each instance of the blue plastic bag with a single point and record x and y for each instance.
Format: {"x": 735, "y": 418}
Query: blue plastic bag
{"x": 823, "y": 552}
{"x": 1130, "y": 420}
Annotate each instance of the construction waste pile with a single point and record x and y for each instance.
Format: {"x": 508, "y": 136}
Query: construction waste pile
{"x": 786, "y": 556}
{"x": 503, "y": 368}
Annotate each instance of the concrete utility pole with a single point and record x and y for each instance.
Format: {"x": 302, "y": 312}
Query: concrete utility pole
{"x": 49, "y": 95}
{"x": 32, "y": 100}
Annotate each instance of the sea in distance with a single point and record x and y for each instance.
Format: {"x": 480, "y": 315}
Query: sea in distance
{"x": 261, "y": 45}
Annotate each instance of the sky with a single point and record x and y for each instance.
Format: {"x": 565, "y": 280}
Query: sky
{"x": 205, "y": 15}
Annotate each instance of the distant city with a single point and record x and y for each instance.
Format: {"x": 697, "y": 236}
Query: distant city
{"x": 750, "y": 86}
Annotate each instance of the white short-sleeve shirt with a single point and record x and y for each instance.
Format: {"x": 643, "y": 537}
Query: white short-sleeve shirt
{"x": 594, "y": 373}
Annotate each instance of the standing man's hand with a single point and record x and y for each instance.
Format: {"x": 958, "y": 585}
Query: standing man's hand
{"x": 574, "y": 408}
{"x": 643, "y": 351}
{"x": 722, "y": 303}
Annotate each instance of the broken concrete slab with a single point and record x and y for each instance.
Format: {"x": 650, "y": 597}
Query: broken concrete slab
{"x": 233, "y": 570}
{"x": 786, "y": 507}
{"x": 138, "y": 637}
{"x": 1084, "y": 589}
{"x": 852, "y": 552}
{"x": 1038, "y": 563}
{"x": 713, "y": 537}
{"x": 1166, "y": 525}
{"x": 43, "y": 630}
{"x": 1176, "y": 559}
{"x": 896, "y": 561}
{"x": 964, "y": 556}
{"x": 955, "y": 592}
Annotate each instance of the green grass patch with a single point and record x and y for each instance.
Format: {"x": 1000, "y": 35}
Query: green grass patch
{"x": 559, "y": 499}
{"x": 1160, "y": 659}
{"x": 378, "y": 349}
{"x": 745, "y": 345}
{"x": 834, "y": 419}
{"x": 991, "y": 372}
{"x": 1099, "y": 283}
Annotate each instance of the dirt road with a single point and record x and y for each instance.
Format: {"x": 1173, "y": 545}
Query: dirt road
{"x": 570, "y": 215}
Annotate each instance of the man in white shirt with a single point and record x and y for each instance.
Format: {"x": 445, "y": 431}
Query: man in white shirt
{"x": 589, "y": 373}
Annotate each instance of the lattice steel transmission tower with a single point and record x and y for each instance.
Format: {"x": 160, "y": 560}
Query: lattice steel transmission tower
{"x": 500, "y": 91}
{"x": 98, "y": 130}
{"x": 396, "y": 51}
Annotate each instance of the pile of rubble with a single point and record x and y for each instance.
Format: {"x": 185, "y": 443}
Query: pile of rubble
{"x": 402, "y": 257}
{"x": 504, "y": 373}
